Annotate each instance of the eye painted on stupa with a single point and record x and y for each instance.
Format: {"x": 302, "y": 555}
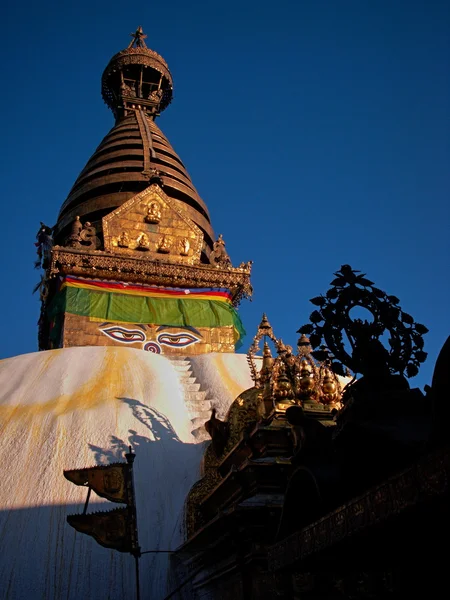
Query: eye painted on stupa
{"x": 177, "y": 340}
{"x": 124, "y": 335}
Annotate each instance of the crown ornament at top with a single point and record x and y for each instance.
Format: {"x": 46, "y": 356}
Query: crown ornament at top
{"x": 362, "y": 349}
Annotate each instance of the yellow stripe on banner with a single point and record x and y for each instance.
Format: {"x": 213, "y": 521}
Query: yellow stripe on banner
{"x": 87, "y": 286}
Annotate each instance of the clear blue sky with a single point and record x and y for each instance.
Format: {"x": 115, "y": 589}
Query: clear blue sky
{"x": 317, "y": 131}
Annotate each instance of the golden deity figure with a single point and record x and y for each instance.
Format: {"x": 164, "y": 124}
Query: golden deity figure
{"x": 153, "y": 213}
{"x": 164, "y": 244}
{"x": 306, "y": 379}
{"x": 127, "y": 90}
{"x": 142, "y": 242}
{"x": 74, "y": 239}
{"x": 123, "y": 241}
{"x": 156, "y": 95}
{"x": 329, "y": 388}
{"x": 184, "y": 247}
{"x": 219, "y": 256}
{"x": 283, "y": 392}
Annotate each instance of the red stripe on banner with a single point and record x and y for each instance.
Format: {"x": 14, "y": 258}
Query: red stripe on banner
{"x": 218, "y": 292}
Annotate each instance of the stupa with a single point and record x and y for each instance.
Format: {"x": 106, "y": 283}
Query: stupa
{"x": 133, "y": 259}
{"x": 137, "y": 337}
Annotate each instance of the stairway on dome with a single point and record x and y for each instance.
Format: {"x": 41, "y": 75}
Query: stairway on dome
{"x": 195, "y": 398}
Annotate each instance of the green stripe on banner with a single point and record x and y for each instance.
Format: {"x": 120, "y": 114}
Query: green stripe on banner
{"x": 112, "y": 306}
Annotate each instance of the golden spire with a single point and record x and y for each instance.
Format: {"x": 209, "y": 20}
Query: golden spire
{"x": 265, "y": 325}
{"x": 264, "y": 331}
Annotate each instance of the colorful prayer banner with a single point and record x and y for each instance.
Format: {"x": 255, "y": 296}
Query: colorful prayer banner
{"x": 128, "y": 303}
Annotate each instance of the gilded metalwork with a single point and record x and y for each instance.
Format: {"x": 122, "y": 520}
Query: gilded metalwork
{"x": 134, "y": 215}
{"x": 290, "y": 376}
{"x": 193, "y": 518}
{"x": 242, "y": 414}
{"x": 123, "y": 240}
{"x": 165, "y": 244}
{"x": 153, "y": 215}
{"x": 167, "y": 228}
{"x": 138, "y": 55}
{"x": 83, "y": 235}
{"x": 281, "y": 382}
{"x": 137, "y": 86}
{"x": 264, "y": 331}
{"x": 184, "y": 245}
{"x": 219, "y": 256}
{"x": 142, "y": 242}
{"x": 66, "y": 261}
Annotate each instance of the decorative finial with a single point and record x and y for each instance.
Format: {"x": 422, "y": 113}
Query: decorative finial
{"x": 264, "y": 322}
{"x": 219, "y": 256}
{"x": 266, "y": 350}
{"x": 267, "y": 359}
{"x": 138, "y": 38}
{"x": 264, "y": 331}
{"x": 304, "y": 342}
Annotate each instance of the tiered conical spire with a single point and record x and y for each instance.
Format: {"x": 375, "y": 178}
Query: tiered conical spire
{"x": 137, "y": 86}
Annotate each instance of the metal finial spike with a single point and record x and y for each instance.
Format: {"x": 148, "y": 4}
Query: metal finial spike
{"x": 138, "y": 38}
{"x": 303, "y": 340}
{"x": 265, "y": 322}
{"x": 266, "y": 350}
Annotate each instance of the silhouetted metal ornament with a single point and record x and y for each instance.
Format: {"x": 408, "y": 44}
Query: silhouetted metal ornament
{"x": 332, "y": 320}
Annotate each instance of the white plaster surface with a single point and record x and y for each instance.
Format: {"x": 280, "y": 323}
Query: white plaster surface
{"x": 77, "y": 407}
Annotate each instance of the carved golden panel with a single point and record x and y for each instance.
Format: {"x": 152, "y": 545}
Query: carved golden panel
{"x": 150, "y": 225}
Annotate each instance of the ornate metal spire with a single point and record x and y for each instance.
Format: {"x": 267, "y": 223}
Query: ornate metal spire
{"x": 138, "y": 39}
{"x": 137, "y": 76}
{"x": 310, "y": 380}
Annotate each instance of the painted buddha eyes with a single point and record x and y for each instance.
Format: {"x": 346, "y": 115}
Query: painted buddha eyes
{"x": 177, "y": 340}
{"x": 126, "y": 336}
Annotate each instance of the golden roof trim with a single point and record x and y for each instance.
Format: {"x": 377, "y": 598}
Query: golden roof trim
{"x": 99, "y": 264}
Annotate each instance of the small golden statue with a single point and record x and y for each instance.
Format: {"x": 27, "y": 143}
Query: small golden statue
{"x": 219, "y": 256}
{"x": 283, "y": 392}
{"x": 153, "y": 213}
{"x": 123, "y": 241}
{"x": 184, "y": 245}
{"x": 156, "y": 95}
{"x": 329, "y": 388}
{"x": 142, "y": 242}
{"x": 127, "y": 90}
{"x": 306, "y": 379}
{"x": 74, "y": 239}
{"x": 164, "y": 244}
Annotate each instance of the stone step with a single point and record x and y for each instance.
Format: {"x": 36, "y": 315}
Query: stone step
{"x": 201, "y": 434}
{"x": 182, "y": 368}
{"x": 191, "y": 387}
{"x": 195, "y": 396}
{"x": 200, "y": 419}
{"x": 186, "y": 379}
{"x": 196, "y": 405}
